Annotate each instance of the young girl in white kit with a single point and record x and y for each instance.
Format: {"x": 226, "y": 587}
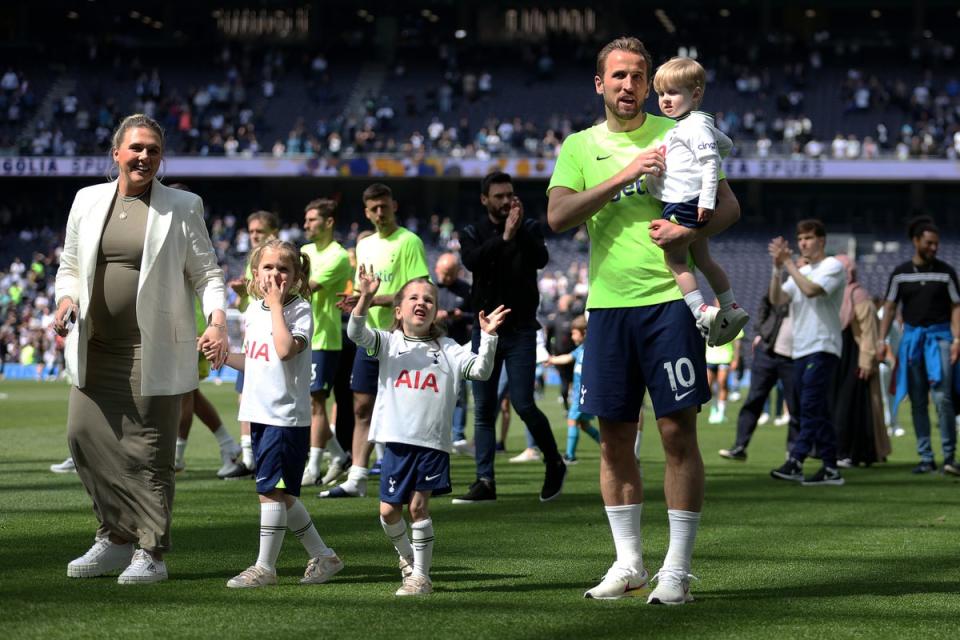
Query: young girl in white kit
{"x": 420, "y": 372}
{"x": 276, "y": 365}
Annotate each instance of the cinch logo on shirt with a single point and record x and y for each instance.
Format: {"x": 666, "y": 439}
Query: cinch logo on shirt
{"x": 637, "y": 188}
{"x": 707, "y": 145}
{"x": 253, "y": 351}
{"x": 428, "y": 382}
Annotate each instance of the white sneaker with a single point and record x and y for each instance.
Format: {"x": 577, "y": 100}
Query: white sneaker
{"x": 355, "y": 489}
{"x": 143, "y": 570}
{"x": 782, "y": 420}
{"x": 527, "y": 455}
{"x": 67, "y": 466}
{"x": 321, "y": 569}
{"x": 253, "y": 577}
{"x": 727, "y": 325}
{"x": 463, "y": 447}
{"x": 899, "y": 432}
{"x": 620, "y": 582}
{"x": 310, "y": 477}
{"x": 415, "y": 586}
{"x": 764, "y": 418}
{"x": 336, "y": 468}
{"x": 406, "y": 567}
{"x": 229, "y": 460}
{"x": 706, "y": 319}
{"x": 103, "y": 557}
{"x": 715, "y": 416}
{"x": 735, "y": 396}
{"x": 673, "y": 587}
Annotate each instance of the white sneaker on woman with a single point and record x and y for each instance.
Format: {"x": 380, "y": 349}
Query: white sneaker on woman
{"x": 143, "y": 570}
{"x": 103, "y": 557}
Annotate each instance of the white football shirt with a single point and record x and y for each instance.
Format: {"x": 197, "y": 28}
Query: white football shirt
{"x": 276, "y": 392}
{"x": 693, "y": 152}
{"x": 419, "y": 378}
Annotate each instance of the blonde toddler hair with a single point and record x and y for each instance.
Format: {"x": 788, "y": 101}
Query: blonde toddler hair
{"x": 681, "y": 73}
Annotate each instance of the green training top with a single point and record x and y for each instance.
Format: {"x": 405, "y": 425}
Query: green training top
{"x": 626, "y": 268}
{"x": 396, "y": 259}
{"x": 331, "y": 269}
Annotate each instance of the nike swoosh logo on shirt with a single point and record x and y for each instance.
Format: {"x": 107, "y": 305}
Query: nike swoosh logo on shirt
{"x": 603, "y": 157}
{"x": 680, "y": 396}
{"x": 431, "y": 478}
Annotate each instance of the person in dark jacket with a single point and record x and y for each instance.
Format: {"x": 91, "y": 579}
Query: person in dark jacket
{"x": 772, "y": 361}
{"x": 504, "y": 251}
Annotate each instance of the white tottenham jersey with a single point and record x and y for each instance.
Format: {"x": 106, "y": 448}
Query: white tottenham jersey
{"x": 419, "y": 378}
{"x": 694, "y": 149}
{"x": 276, "y": 392}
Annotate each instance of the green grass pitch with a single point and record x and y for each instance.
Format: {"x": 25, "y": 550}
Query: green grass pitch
{"x": 877, "y": 558}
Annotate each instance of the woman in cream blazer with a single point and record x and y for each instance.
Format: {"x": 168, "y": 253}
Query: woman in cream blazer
{"x": 135, "y": 255}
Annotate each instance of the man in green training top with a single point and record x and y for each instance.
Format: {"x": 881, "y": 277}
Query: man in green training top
{"x": 641, "y": 336}
{"x": 329, "y": 273}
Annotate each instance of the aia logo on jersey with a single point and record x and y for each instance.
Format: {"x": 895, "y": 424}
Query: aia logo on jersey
{"x": 416, "y": 380}
{"x": 255, "y": 350}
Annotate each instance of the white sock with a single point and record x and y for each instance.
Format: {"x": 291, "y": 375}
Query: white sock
{"x": 313, "y": 464}
{"x": 683, "y": 532}
{"x": 181, "y": 450}
{"x": 273, "y": 524}
{"x": 355, "y": 476}
{"x": 397, "y": 532}
{"x": 625, "y": 526}
{"x": 726, "y": 299}
{"x": 721, "y": 406}
{"x": 246, "y": 443}
{"x": 333, "y": 446}
{"x": 694, "y": 299}
{"x": 224, "y": 439}
{"x": 422, "y": 547}
{"x": 299, "y": 521}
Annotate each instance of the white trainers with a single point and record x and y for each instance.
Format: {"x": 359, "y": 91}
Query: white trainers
{"x": 463, "y": 448}
{"x": 336, "y": 468}
{"x": 763, "y": 419}
{"x": 229, "y": 460}
{"x": 143, "y": 570}
{"x": 321, "y": 569}
{"x": 406, "y": 567}
{"x": 673, "y": 587}
{"x": 310, "y": 477}
{"x": 527, "y": 455}
{"x": 782, "y": 420}
{"x": 253, "y": 577}
{"x": 103, "y": 557}
{"x": 414, "y": 585}
{"x": 620, "y": 582}
{"x": 67, "y": 466}
{"x": 727, "y": 325}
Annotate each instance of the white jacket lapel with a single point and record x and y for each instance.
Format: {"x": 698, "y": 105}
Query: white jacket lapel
{"x": 158, "y": 225}
{"x": 93, "y": 228}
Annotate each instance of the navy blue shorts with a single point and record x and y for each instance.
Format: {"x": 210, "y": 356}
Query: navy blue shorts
{"x": 239, "y": 385}
{"x": 634, "y": 349}
{"x": 365, "y": 374}
{"x": 323, "y": 370}
{"x": 683, "y": 213}
{"x": 406, "y": 468}
{"x": 281, "y": 453}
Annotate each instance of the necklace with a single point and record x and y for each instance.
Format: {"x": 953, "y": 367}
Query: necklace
{"x": 128, "y": 201}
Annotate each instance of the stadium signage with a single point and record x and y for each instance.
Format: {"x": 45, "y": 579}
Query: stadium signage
{"x": 394, "y": 166}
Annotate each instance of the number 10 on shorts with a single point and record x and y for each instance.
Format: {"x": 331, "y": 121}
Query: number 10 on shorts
{"x": 681, "y": 372}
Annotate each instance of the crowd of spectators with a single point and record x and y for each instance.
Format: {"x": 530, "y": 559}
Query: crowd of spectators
{"x": 801, "y": 107}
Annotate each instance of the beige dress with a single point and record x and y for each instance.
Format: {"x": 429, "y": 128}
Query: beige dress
{"x": 123, "y": 442}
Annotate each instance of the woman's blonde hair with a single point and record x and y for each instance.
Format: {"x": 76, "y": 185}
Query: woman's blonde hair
{"x": 683, "y": 73}
{"x": 300, "y": 281}
{"x": 436, "y": 331}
